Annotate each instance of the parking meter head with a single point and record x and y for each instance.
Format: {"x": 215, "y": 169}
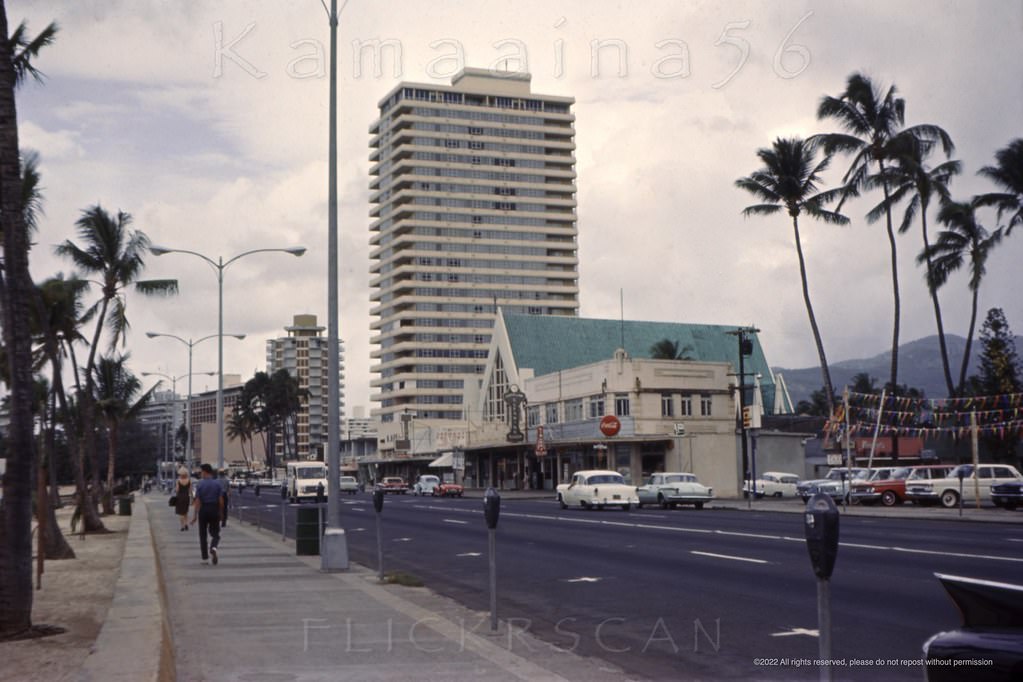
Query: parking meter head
{"x": 820, "y": 522}
{"x": 491, "y": 507}
{"x": 961, "y": 473}
{"x": 378, "y": 500}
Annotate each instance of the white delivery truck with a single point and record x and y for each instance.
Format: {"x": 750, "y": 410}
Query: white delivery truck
{"x": 302, "y": 480}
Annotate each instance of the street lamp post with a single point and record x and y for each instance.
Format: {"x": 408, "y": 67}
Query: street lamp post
{"x": 219, "y": 265}
{"x": 174, "y": 390}
{"x": 191, "y": 344}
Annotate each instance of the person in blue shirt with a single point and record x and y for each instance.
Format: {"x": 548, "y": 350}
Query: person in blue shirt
{"x": 208, "y": 510}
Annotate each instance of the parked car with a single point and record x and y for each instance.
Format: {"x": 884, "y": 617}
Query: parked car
{"x": 448, "y": 490}
{"x": 425, "y": 484}
{"x": 349, "y": 484}
{"x": 836, "y": 484}
{"x": 773, "y": 484}
{"x": 671, "y": 489}
{"x": 1007, "y": 495}
{"x": 394, "y": 484}
{"x": 924, "y": 473}
{"x": 946, "y": 490}
{"x": 992, "y": 631}
{"x": 596, "y": 489}
{"x": 886, "y": 485}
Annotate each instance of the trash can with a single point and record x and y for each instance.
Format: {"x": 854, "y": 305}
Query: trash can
{"x": 307, "y": 531}
{"x": 124, "y": 505}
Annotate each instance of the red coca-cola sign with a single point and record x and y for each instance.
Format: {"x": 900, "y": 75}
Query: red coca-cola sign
{"x": 609, "y": 425}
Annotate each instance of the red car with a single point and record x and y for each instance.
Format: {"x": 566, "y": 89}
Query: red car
{"x": 394, "y": 484}
{"x": 448, "y": 490}
{"x": 891, "y": 491}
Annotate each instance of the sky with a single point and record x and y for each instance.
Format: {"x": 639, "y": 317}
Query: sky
{"x": 207, "y": 122}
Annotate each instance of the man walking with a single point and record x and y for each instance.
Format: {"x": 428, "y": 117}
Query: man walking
{"x": 208, "y": 509}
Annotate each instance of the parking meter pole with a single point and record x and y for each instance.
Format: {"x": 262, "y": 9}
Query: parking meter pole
{"x": 492, "y": 542}
{"x": 491, "y": 512}
{"x": 284, "y": 511}
{"x": 378, "y": 505}
{"x": 960, "y": 492}
{"x": 824, "y": 626}
{"x": 319, "y": 517}
{"x": 820, "y": 524}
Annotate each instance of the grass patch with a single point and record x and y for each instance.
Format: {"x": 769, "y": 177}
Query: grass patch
{"x": 402, "y": 578}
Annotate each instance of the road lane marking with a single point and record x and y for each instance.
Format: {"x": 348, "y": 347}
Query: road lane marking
{"x": 356, "y": 530}
{"x": 797, "y": 631}
{"x": 728, "y": 556}
{"x": 582, "y": 579}
{"x": 402, "y": 539}
{"x": 1015, "y": 539}
{"x": 747, "y": 535}
{"x": 469, "y": 554}
{"x": 455, "y": 521}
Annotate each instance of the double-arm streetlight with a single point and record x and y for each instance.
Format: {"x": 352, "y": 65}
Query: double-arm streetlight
{"x": 191, "y": 344}
{"x": 218, "y": 266}
{"x": 174, "y": 390}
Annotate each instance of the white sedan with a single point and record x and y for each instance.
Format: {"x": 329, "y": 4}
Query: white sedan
{"x": 597, "y": 489}
{"x": 672, "y": 489}
{"x": 425, "y": 484}
{"x": 773, "y": 484}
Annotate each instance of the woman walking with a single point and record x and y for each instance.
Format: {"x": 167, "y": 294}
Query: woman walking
{"x": 183, "y": 493}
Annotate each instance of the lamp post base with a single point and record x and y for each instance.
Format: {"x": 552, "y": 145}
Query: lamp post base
{"x": 334, "y": 551}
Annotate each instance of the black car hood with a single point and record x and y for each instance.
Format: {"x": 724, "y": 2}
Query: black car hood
{"x": 984, "y": 603}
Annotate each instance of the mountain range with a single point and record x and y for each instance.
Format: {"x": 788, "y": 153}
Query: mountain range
{"x": 919, "y": 367}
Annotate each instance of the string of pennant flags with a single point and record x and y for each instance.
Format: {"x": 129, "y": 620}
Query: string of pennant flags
{"x": 993, "y": 415}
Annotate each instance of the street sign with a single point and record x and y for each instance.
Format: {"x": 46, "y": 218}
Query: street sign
{"x": 680, "y": 429}
{"x": 835, "y": 459}
{"x": 541, "y": 447}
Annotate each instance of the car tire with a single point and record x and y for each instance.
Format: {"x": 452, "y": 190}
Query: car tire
{"x": 950, "y": 499}
{"x": 626, "y": 507}
{"x": 1011, "y": 506}
{"x": 778, "y": 495}
{"x": 639, "y": 505}
{"x": 889, "y": 498}
{"x": 584, "y": 504}
{"x": 699, "y": 505}
{"x": 661, "y": 501}
{"x": 561, "y": 501}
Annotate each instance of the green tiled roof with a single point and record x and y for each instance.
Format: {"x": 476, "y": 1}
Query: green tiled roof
{"x": 548, "y": 344}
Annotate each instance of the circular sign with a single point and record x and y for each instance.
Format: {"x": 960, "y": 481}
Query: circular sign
{"x": 609, "y": 425}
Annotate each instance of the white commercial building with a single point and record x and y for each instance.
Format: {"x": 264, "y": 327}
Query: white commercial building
{"x": 474, "y": 207}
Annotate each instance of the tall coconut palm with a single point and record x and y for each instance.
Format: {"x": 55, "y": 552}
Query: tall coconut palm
{"x": 789, "y": 182}
{"x": 118, "y": 398}
{"x": 16, "y": 294}
{"x": 666, "y": 349}
{"x": 1008, "y": 175}
{"x": 872, "y": 122}
{"x": 909, "y": 178}
{"x": 241, "y": 429}
{"x": 965, "y": 241}
{"x": 115, "y": 254}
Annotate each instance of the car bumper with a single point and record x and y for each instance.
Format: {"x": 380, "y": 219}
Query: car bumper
{"x": 922, "y": 496}
{"x": 860, "y": 496}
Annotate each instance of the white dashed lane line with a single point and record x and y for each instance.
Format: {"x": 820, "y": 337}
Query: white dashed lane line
{"x": 729, "y": 557}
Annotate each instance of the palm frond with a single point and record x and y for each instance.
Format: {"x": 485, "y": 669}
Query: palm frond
{"x": 24, "y": 50}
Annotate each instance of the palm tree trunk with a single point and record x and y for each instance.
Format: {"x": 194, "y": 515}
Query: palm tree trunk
{"x": 894, "y": 376}
{"x": 969, "y": 341}
{"x": 937, "y": 306}
{"x": 88, "y": 436}
{"x": 829, "y": 391}
{"x": 55, "y": 545}
{"x": 16, "y": 289}
{"x": 108, "y": 496}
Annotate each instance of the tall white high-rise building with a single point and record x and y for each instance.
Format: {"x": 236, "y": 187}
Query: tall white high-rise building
{"x": 473, "y": 187}
{"x": 303, "y": 352}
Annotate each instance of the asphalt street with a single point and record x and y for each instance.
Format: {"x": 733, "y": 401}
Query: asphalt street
{"x": 676, "y": 594}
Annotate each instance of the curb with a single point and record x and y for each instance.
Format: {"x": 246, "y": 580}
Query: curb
{"x": 987, "y": 515}
{"x": 134, "y": 642}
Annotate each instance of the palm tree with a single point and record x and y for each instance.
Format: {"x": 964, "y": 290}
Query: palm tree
{"x": 16, "y": 293}
{"x": 788, "y": 181}
{"x": 964, "y": 239}
{"x": 873, "y": 122}
{"x": 1007, "y": 174}
{"x": 666, "y": 349}
{"x": 116, "y": 255}
{"x": 239, "y": 428}
{"x": 118, "y": 398}
{"x": 910, "y": 178}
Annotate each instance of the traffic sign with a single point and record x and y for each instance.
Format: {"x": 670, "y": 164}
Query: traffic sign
{"x": 541, "y": 447}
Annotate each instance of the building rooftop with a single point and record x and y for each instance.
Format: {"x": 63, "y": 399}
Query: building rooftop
{"x": 547, "y": 344}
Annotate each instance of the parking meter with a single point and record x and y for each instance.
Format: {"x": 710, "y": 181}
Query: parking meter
{"x": 961, "y": 473}
{"x": 284, "y": 491}
{"x": 319, "y": 493}
{"x": 378, "y": 500}
{"x": 821, "y": 525}
{"x": 491, "y": 507}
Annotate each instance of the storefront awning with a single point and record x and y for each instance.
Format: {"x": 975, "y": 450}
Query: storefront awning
{"x": 445, "y": 460}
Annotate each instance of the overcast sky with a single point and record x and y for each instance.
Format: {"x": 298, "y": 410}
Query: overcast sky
{"x": 207, "y": 122}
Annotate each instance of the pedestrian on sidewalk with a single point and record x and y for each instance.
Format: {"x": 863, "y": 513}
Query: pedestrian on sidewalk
{"x": 183, "y": 496}
{"x": 208, "y": 508}
{"x": 225, "y": 493}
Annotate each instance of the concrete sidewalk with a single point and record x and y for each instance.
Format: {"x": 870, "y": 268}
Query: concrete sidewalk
{"x": 264, "y": 614}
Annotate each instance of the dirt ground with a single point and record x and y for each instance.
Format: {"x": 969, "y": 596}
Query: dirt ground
{"x": 75, "y": 595}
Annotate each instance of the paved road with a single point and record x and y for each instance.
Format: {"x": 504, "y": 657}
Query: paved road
{"x": 685, "y": 593}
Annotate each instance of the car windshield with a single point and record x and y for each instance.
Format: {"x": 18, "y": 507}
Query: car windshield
{"x": 309, "y": 472}
{"x": 967, "y": 470}
{"x": 428, "y": 479}
{"x": 680, "y": 478}
{"x": 605, "y": 478}
{"x": 900, "y": 473}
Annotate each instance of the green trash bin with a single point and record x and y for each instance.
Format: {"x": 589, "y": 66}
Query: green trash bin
{"x": 124, "y": 505}
{"x": 307, "y": 531}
